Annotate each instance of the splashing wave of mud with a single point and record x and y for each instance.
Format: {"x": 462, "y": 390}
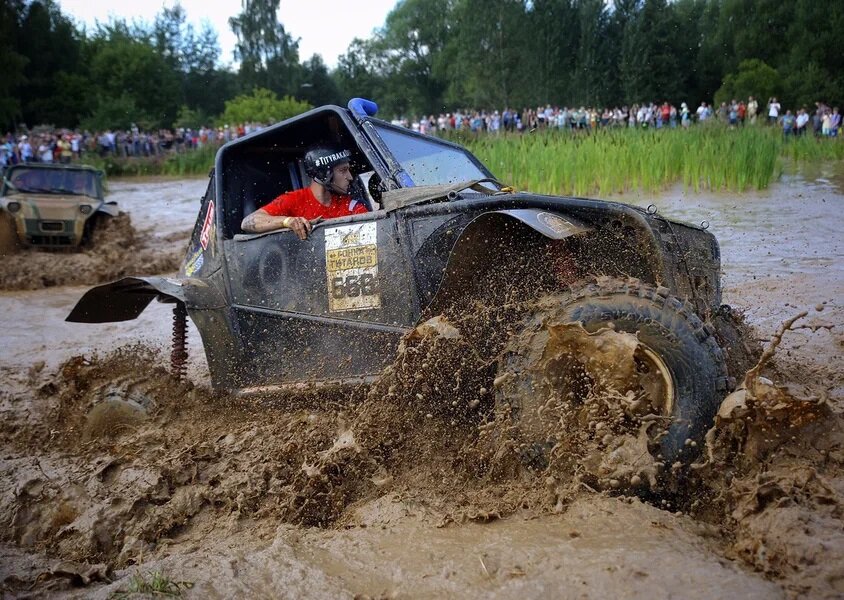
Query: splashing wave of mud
{"x": 116, "y": 250}
{"x": 122, "y": 465}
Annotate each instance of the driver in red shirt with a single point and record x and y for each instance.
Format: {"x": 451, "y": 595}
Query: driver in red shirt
{"x": 326, "y": 198}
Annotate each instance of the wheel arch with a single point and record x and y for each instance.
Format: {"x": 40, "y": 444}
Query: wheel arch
{"x": 505, "y": 239}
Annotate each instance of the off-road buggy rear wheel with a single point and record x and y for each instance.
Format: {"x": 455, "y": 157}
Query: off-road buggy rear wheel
{"x": 670, "y": 372}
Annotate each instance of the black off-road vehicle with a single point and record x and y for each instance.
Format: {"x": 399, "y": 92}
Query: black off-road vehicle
{"x": 274, "y": 311}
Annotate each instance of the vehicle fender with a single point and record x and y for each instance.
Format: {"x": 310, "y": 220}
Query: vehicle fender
{"x": 125, "y": 299}
{"x": 471, "y": 249}
{"x": 109, "y": 208}
{"x": 550, "y": 224}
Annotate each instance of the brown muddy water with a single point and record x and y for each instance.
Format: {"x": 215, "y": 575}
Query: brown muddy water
{"x": 361, "y": 497}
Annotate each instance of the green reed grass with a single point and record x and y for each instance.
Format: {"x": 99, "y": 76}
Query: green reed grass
{"x": 605, "y": 162}
{"x": 613, "y": 161}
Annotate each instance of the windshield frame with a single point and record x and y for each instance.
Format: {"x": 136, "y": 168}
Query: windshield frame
{"x": 397, "y": 171}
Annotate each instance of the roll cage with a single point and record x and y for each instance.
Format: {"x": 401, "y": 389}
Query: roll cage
{"x": 251, "y": 171}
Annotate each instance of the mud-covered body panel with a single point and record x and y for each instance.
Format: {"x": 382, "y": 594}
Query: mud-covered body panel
{"x": 276, "y": 310}
{"x": 623, "y": 241}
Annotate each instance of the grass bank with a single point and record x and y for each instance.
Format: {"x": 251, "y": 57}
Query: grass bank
{"x": 617, "y": 160}
{"x": 190, "y": 162}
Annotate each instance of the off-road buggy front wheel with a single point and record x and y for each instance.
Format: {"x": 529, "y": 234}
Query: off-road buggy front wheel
{"x": 610, "y": 355}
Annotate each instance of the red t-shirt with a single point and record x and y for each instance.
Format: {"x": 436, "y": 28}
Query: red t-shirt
{"x": 303, "y": 203}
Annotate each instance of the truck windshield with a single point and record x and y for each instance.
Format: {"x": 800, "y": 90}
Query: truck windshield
{"x": 429, "y": 162}
{"x": 52, "y": 181}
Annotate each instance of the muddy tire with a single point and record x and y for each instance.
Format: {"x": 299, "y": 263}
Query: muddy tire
{"x": 93, "y": 228}
{"x": 9, "y": 243}
{"x": 677, "y": 364}
{"x": 116, "y": 412}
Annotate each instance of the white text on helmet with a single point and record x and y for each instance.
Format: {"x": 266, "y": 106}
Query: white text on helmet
{"x": 331, "y": 158}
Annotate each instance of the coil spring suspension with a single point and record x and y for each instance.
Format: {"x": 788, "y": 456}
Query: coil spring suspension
{"x": 179, "y": 352}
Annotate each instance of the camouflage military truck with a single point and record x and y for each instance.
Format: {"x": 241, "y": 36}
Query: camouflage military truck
{"x": 52, "y": 206}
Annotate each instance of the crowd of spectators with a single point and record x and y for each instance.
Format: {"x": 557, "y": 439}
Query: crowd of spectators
{"x": 66, "y": 146}
{"x": 825, "y": 121}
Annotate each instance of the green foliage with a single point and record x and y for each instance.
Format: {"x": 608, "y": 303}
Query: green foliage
{"x": 484, "y": 47}
{"x": 317, "y": 86}
{"x": 124, "y": 65}
{"x": 114, "y": 113}
{"x": 153, "y": 584}
{"x": 360, "y": 72}
{"x": 13, "y": 62}
{"x": 52, "y": 47}
{"x": 650, "y": 69}
{"x": 269, "y": 56}
{"x": 615, "y": 161}
{"x": 417, "y": 30}
{"x": 53, "y": 73}
{"x": 262, "y": 106}
{"x": 435, "y": 56}
{"x": 429, "y": 56}
{"x": 189, "y": 117}
{"x": 551, "y": 76}
{"x": 187, "y": 163}
{"x": 754, "y": 78}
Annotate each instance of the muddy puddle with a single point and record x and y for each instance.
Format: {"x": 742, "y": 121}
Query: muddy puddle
{"x": 113, "y": 474}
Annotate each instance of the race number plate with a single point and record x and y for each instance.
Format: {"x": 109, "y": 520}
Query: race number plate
{"x": 351, "y": 262}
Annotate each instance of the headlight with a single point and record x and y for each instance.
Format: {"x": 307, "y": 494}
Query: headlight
{"x": 13, "y": 207}
{"x": 85, "y": 209}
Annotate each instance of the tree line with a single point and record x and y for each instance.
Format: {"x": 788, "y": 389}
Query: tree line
{"x": 430, "y": 56}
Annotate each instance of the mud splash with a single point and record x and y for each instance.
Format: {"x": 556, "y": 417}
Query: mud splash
{"x": 116, "y": 250}
{"x": 106, "y": 468}
{"x": 773, "y": 467}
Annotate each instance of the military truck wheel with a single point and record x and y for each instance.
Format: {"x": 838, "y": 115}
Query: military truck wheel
{"x": 9, "y": 243}
{"x": 92, "y": 226}
{"x": 671, "y": 369}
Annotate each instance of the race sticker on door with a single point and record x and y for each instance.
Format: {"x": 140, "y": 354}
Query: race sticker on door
{"x": 351, "y": 262}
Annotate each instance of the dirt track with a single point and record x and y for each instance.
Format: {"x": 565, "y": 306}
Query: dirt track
{"x": 338, "y": 496}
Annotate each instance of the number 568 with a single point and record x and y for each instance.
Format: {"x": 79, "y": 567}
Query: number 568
{"x": 352, "y": 286}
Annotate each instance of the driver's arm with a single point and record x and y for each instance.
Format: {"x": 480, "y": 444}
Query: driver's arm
{"x": 261, "y": 221}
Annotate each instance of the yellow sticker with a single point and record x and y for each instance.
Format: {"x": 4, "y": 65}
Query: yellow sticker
{"x": 356, "y": 257}
{"x": 351, "y": 265}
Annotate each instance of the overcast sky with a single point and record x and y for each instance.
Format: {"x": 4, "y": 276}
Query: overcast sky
{"x": 324, "y": 27}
